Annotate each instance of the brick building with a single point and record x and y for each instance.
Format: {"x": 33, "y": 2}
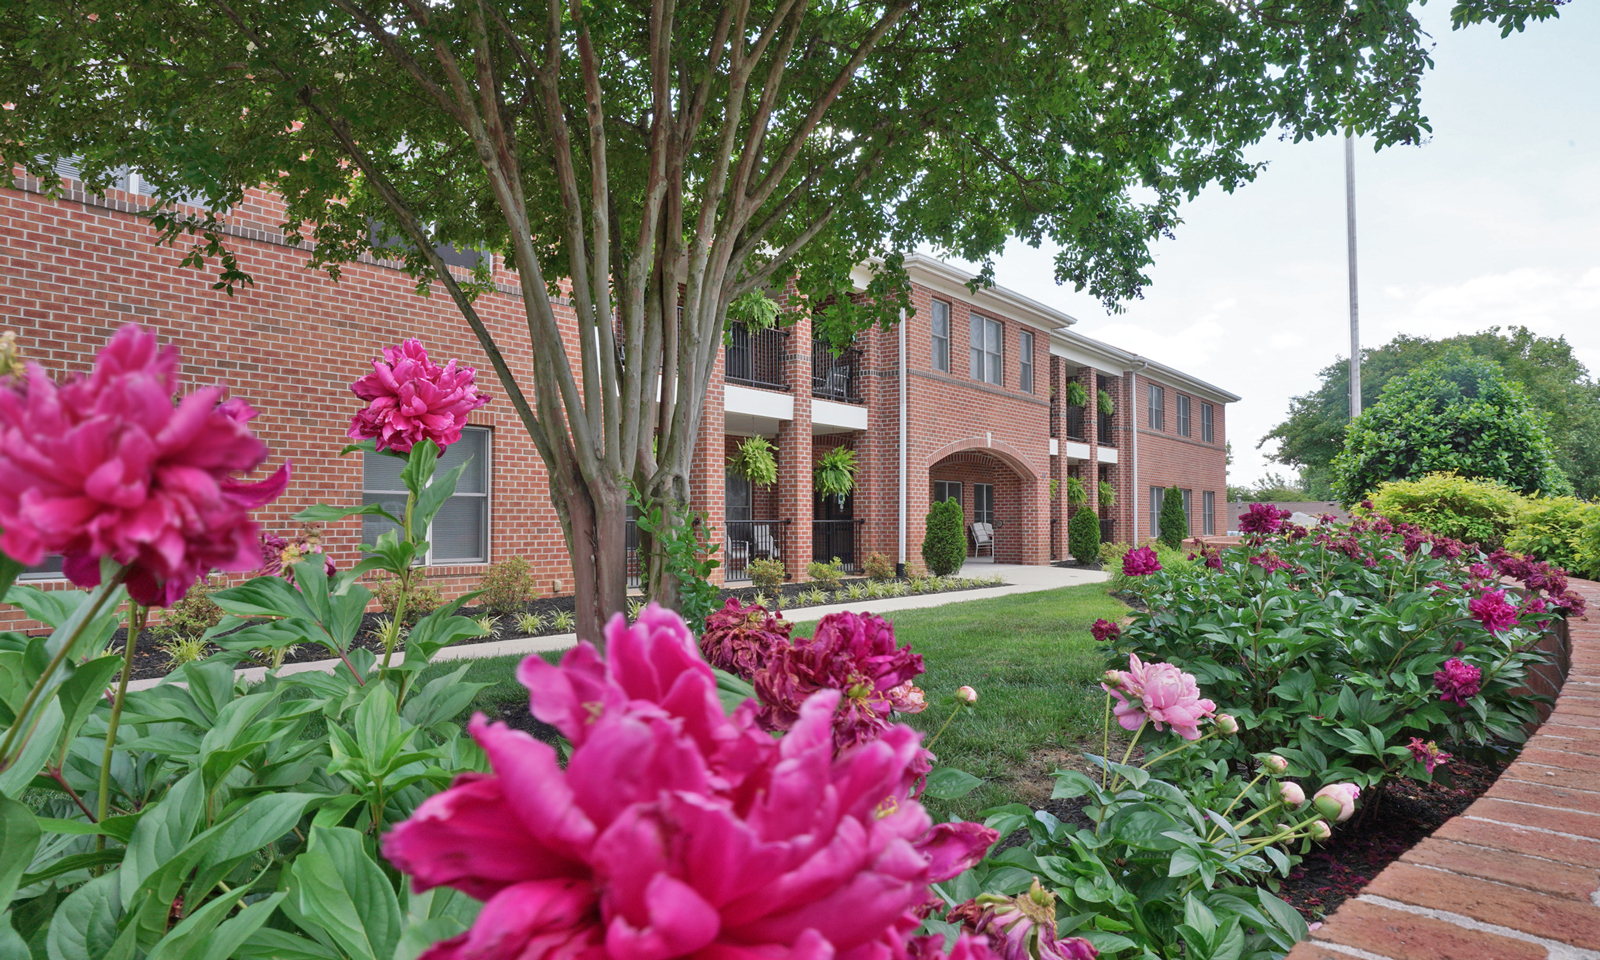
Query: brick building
{"x": 961, "y": 400}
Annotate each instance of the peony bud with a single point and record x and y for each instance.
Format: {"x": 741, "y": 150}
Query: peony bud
{"x": 1291, "y": 793}
{"x": 1319, "y": 830}
{"x": 1226, "y": 725}
{"x": 967, "y": 694}
{"x": 1337, "y": 800}
{"x": 1275, "y": 765}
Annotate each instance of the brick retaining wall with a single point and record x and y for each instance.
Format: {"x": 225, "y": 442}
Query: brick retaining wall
{"x": 1515, "y": 877}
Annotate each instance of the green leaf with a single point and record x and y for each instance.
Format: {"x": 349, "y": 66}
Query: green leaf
{"x": 342, "y": 889}
{"x": 263, "y": 597}
{"x": 12, "y": 946}
{"x": 272, "y": 944}
{"x": 326, "y": 513}
{"x": 76, "y": 861}
{"x": 84, "y": 927}
{"x": 19, "y": 837}
{"x": 162, "y": 832}
{"x": 420, "y": 465}
{"x": 84, "y": 690}
{"x": 432, "y": 498}
{"x": 36, "y": 752}
{"x": 948, "y": 783}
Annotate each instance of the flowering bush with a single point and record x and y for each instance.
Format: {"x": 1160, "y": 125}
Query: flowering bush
{"x": 1343, "y": 644}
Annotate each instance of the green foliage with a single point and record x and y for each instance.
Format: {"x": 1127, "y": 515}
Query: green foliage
{"x": 530, "y": 623}
{"x": 1472, "y": 511}
{"x": 1107, "y": 495}
{"x": 1104, "y": 403}
{"x": 1111, "y": 554}
{"x": 1272, "y": 488}
{"x": 1077, "y": 496}
{"x": 685, "y": 545}
{"x": 766, "y": 574}
{"x": 194, "y": 613}
{"x": 1073, "y": 394}
{"x": 182, "y": 648}
{"x": 563, "y": 621}
{"x": 944, "y": 540}
{"x": 507, "y": 586}
{"x": 754, "y": 310}
{"x": 828, "y": 574}
{"x": 754, "y": 461}
{"x": 1457, "y": 413}
{"x": 835, "y": 473}
{"x": 878, "y": 567}
{"x": 1557, "y": 385}
{"x": 1552, "y": 529}
{"x": 421, "y": 599}
{"x": 1589, "y": 548}
{"x": 1083, "y": 536}
{"x": 1174, "y": 522}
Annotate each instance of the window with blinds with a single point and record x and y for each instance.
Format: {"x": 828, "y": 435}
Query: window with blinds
{"x": 941, "y": 336}
{"x": 985, "y": 342}
{"x": 460, "y": 530}
{"x": 1025, "y": 362}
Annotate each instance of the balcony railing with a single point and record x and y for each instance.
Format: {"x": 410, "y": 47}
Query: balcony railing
{"x": 749, "y": 540}
{"x": 835, "y": 375}
{"x": 755, "y": 360}
{"x": 1075, "y": 423}
{"x": 631, "y": 559}
{"x": 836, "y": 538}
{"x": 1055, "y": 416}
{"x": 1105, "y": 435}
{"x": 1108, "y": 527}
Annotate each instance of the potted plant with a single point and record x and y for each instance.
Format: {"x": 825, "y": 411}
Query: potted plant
{"x": 753, "y": 461}
{"x": 1074, "y": 394}
{"x": 835, "y": 473}
{"x": 1104, "y": 402}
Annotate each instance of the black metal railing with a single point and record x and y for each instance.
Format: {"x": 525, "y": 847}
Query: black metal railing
{"x": 1055, "y": 417}
{"x": 1108, "y": 527}
{"x": 836, "y": 538}
{"x": 1075, "y": 423}
{"x": 1105, "y": 436}
{"x": 630, "y": 541}
{"x": 747, "y": 540}
{"x": 755, "y": 359}
{"x": 835, "y": 375}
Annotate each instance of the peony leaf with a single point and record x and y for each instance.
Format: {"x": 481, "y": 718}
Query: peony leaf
{"x": 948, "y": 783}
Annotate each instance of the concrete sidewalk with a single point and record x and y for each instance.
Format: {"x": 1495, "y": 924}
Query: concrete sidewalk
{"x": 1019, "y": 579}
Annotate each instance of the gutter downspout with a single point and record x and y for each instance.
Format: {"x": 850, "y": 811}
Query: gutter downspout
{"x": 1133, "y": 427}
{"x": 900, "y": 564}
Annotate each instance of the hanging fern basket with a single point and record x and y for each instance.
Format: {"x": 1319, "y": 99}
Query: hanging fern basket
{"x": 835, "y": 473}
{"x": 754, "y": 461}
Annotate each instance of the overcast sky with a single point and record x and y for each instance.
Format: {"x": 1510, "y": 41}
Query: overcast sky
{"x": 1495, "y": 220}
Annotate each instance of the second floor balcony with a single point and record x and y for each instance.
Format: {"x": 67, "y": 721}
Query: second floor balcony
{"x": 755, "y": 359}
{"x": 835, "y": 374}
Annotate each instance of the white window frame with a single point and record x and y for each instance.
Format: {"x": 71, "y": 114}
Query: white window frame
{"x": 1025, "y": 361}
{"x": 1157, "y": 494}
{"x": 36, "y": 576}
{"x": 1156, "y": 401}
{"x": 983, "y": 512}
{"x": 1208, "y": 500}
{"x": 1208, "y": 428}
{"x": 940, "y": 317}
{"x": 488, "y": 507}
{"x": 1181, "y": 402}
{"x": 986, "y": 350}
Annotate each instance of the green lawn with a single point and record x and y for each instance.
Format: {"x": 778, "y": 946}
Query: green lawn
{"x": 1030, "y": 657}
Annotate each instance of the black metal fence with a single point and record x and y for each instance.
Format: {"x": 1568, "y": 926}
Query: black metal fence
{"x": 748, "y": 540}
{"x": 1106, "y": 437}
{"x": 836, "y": 538}
{"x": 1108, "y": 527}
{"x": 631, "y": 559}
{"x": 835, "y": 375}
{"x": 1075, "y": 422}
{"x": 755, "y": 359}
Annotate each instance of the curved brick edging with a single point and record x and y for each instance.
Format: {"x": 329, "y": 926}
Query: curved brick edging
{"x": 1515, "y": 877}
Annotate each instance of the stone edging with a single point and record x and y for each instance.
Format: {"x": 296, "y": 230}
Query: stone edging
{"x": 1516, "y": 876}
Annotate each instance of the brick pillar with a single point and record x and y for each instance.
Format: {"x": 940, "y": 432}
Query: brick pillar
{"x": 708, "y": 493}
{"x": 794, "y": 451}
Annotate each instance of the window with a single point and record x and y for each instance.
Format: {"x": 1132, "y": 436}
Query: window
{"x": 983, "y": 503}
{"x": 47, "y": 569}
{"x": 1025, "y": 361}
{"x": 1156, "y": 494}
{"x": 1183, "y": 415}
{"x": 1207, "y": 431}
{"x": 1158, "y": 407}
{"x": 941, "y": 336}
{"x": 985, "y": 341}
{"x": 946, "y": 490}
{"x": 460, "y": 531}
{"x": 737, "y": 502}
{"x": 1188, "y": 514}
{"x": 1208, "y": 501}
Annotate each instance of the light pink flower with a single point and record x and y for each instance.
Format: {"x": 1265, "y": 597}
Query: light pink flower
{"x": 675, "y": 830}
{"x": 967, "y": 694}
{"x": 1342, "y": 800}
{"x": 1291, "y": 793}
{"x": 1159, "y": 692}
{"x": 908, "y": 698}
{"x": 1274, "y": 764}
{"x": 410, "y": 399}
{"x": 1319, "y": 830}
{"x": 107, "y": 465}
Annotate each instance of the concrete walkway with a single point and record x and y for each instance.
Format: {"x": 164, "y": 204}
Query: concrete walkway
{"x": 1019, "y": 579}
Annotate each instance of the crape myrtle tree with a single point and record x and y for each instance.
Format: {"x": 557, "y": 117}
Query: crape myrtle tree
{"x": 655, "y": 161}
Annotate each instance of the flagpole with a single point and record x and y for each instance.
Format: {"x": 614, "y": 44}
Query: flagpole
{"x": 1350, "y": 232}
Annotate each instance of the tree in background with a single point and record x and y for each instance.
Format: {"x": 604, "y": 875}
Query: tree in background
{"x": 1174, "y": 523}
{"x": 1273, "y": 488}
{"x": 1458, "y": 413}
{"x": 652, "y": 163}
{"x": 944, "y": 540}
{"x": 1556, "y": 383}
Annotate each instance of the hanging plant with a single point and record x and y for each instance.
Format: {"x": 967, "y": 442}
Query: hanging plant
{"x": 1074, "y": 394}
{"x": 835, "y": 473}
{"x": 1108, "y": 496}
{"x": 1105, "y": 404}
{"x": 753, "y": 461}
{"x": 1076, "y": 495}
{"x": 1055, "y": 486}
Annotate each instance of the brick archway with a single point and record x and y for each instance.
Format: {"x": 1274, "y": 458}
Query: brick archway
{"x": 999, "y": 449}
{"x": 1015, "y": 495}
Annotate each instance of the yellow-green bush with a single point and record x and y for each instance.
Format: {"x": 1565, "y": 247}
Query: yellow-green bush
{"x": 1589, "y": 547}
{"x": 1551, "y": 529}
{"x": 1111, "y": 555}
{"x": 1472, "y": 511}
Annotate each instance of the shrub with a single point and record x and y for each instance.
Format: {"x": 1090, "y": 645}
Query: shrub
{"x": 765, "y": 574}
{"x": 1111, "y": 554}
{"x": 1456, "y": 413}
{"x": 1589, "y": 548}
{"x": 530, "y": 623}
{"x": 1472, "y": 511}
{"x": 1551, "y": 529}
{"x": 507, "y": 587}
{"x": 944, "y": 544}
{"x": 423, "y": 599}
{"x": 193, "y": 615}
{"x": 1174, "y": 521}
{"x": 826, "y": 574}
{"x": 878, "y": 567}
{"x": 183, "y": 648}
{"x": 1083, "y": 535}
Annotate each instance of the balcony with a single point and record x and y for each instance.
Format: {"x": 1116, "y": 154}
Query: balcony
{"x": 1075, "y": 423}
{"x": 836, "y": 538}
{"x": 755, "y": 360}
{"x": 749, "y": 540}
{"x": 835, "y": 375}
{"x": 1107, "y": 437}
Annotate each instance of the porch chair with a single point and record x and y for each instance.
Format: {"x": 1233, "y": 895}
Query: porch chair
{"x": 982, "y": 536}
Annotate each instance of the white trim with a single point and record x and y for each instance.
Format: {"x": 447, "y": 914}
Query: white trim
{"x": 770, "y": 404}
{"x": 1075, "y": 449}
{"x": 1055, "y": 448}
{"x": 850, "y": 416}
{"x": 901, "y": 546}
{"x": 1105, "y": 454}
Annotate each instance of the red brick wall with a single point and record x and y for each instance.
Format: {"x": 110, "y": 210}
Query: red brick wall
{"x": 1167, "y": 459}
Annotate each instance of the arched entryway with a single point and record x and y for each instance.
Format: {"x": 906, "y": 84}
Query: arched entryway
{"x": 1000, "y": 498}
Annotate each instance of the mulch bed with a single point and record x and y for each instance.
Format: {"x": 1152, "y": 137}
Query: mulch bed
{"x": 150, "y": 660}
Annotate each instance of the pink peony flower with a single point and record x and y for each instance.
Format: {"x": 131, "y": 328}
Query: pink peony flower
{"x": 1458, "y": 682}
{"x": 740, "y": 639}
{"x": 411, "y": 399}
{"x": 1428, "y": 754}
{"x": 1226, "y": 724}
{"x": 1022, "y": 927}
{"x": 1262, "y": 518}
{"x": 1319, "y": 830}
{"x": 1291, "y": 793}
{"x": 1105, "y": 631}
{"x": 1275, "y": 765}
{"x": 1161, "y": 693}
{"x": 675, "y": 830}
{"x": 1337, "y": 800}
{"x": 908, "y": 698}
{"x": 1493, "y": 610}
{"x": 967, "y": 694}
{"x": 107, "y": 465}
{"x": 854, "y": 654}
{"x": 1140, "y": 561}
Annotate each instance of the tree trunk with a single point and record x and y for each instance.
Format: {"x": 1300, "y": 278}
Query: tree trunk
{"x": 593, "y": 525}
